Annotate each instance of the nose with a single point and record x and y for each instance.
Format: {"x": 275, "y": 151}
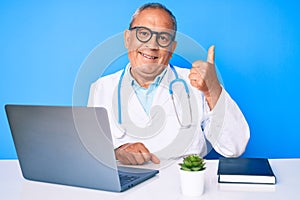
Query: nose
{"x": 152, "y": 43}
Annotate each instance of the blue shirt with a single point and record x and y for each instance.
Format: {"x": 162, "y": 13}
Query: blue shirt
{"x": 145, "y": 95}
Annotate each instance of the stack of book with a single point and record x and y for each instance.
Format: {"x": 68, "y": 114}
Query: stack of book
{"x": 245, "y": 170}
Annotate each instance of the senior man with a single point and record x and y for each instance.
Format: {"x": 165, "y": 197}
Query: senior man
{"x": 149, "y": 120}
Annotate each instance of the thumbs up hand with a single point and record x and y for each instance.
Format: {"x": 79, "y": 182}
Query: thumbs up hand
{"x": 203, "y": 76}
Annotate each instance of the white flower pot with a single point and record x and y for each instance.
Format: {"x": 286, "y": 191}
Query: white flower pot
{"x": 192, "y": 182}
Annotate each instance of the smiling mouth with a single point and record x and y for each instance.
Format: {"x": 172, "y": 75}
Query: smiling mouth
{"x": 148, "y": 56}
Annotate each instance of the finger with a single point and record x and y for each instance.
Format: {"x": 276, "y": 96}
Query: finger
{"x": 154, "y": 159}
{"x": 139, "y": 152}
{"x": 146, "y": 156}
{"x": 211, "y": 54}
{"x": 140, "y": 158}
{"x": 124, "y": 146}
{"x": 132, "y": 158}
{"x": 123, "y": 157}
{"x": 194, "y": 76}
{"x": 134, "y": 147}
{"x": 129, "y": 154}
{"x": 197, "y": 64}
{"x": 193, "y": 70}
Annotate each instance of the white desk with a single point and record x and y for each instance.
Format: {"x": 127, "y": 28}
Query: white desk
{"x": 164, "y": 186}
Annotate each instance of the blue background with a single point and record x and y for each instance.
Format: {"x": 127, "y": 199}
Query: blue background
{"x": 43, "y": 44}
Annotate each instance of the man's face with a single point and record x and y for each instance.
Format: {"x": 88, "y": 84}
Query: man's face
{"x": 149, "y": 57}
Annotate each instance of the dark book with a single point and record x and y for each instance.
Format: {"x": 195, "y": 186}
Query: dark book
{"x": 245, "y": 170}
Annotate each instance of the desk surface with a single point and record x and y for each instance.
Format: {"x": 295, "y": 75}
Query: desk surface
{"x": 165, "y": 186}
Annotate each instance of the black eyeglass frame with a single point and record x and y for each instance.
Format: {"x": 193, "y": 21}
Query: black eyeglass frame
{"x": 152, "y": 32}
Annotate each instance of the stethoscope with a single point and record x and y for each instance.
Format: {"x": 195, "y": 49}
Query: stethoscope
{"x": 177, "y": 79}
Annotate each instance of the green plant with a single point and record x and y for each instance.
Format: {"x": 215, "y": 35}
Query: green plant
{"x": 193, "y": 163}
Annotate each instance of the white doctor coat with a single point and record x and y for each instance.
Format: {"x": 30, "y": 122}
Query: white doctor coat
{"x": 224, "y": 128}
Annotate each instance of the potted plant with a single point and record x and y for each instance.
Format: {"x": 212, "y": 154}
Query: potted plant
{"x": 192, "y": 175}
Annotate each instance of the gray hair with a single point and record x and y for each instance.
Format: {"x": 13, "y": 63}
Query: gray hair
{"x": 154, "y": 5}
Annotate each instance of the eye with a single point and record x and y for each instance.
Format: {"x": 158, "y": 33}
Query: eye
{"x": 144, "y": 33}
{"x": 164, "y": 38}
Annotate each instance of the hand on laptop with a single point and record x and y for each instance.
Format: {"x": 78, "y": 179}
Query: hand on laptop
{"x": 135, "y": 154}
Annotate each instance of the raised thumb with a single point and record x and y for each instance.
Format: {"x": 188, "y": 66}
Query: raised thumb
{"x": 211, "y": 54}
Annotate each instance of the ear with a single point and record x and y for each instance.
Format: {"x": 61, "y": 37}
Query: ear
{"x": 127, "y": 38}
{"x": 172, "y": 48}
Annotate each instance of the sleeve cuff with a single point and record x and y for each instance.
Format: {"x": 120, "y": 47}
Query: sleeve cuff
{"x": 216, "y": 118}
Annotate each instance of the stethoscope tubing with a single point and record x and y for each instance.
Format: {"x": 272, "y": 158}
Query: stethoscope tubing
{"x": 177, "y": 79}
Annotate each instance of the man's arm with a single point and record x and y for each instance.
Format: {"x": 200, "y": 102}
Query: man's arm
{"x": 203, "y": 76}
{"x": 227, "y": 129}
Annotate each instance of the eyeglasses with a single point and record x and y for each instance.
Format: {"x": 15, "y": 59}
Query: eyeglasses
{"x": 144, "y": 34}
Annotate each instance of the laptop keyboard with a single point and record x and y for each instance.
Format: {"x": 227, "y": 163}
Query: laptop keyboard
{"x": 125, "y": 178}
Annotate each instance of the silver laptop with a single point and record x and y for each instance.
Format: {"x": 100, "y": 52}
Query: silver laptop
{"x": 70, "y": 146}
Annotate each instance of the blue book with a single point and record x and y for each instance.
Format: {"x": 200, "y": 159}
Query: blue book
{"x": 245, "y": 170}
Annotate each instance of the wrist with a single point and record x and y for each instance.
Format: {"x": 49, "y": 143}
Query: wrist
{"x": 212, "y": 95}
